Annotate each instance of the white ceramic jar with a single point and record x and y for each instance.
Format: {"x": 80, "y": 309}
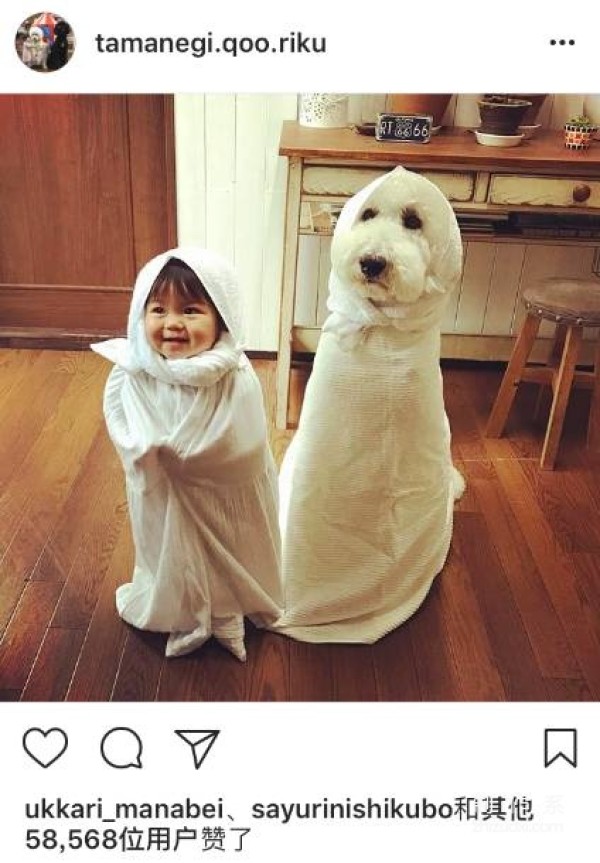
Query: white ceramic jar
{"x": 323, "y": 110}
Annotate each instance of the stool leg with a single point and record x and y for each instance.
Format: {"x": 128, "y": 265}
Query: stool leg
{"x": 593, "y": 435}
{"x": 512, "y": 376}
{"x": 562, "y": 389}
{"x": 553, "y": 362}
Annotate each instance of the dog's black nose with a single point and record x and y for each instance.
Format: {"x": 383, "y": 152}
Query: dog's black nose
{"x": 371, "y": 267}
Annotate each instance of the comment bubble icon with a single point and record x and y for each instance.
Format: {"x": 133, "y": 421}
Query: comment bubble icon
{"x": 122, "y": 748}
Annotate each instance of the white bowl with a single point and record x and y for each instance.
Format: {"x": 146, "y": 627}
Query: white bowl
{"x": 529, "y": 131}
{"x": 498, "y": 140}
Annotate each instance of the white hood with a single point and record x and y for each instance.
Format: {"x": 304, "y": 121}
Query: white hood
{"x": 134, "y": 354}
{"x": 353, "y": 312}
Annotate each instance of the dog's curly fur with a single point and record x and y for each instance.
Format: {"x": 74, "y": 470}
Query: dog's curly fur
{"x": 390, "y": 253}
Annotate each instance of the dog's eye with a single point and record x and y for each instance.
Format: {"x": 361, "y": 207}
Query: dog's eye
{"x": 369, "y": 213}
{"x": 411, "y": 221}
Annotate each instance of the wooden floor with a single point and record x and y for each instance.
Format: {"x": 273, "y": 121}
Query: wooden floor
{"x": 515, "y": 614}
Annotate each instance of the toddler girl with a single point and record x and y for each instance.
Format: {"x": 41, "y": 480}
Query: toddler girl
{"x": 185, "y": 412}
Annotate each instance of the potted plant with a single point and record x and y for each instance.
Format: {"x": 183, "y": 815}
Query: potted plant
{"x": 579, "y": 132}
{"x": 537, "y": 101}
{"x": 433, "y": 104}
{"x": 502, "y": 114}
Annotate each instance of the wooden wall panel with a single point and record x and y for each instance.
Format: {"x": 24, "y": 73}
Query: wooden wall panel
{"x": 68, "y": 308}
{"x": 231, "y": 185}
{"x": 219, "y": 152}
{"x": 88, "y": 195}
{"x": 281, "y": 107}
{"x": 190, "y": 122}
{"x": 504, "y": 286}
{"x": 449, "y": 318}
{"x": 474, "y": 287}
{"x": 250, "y": 200}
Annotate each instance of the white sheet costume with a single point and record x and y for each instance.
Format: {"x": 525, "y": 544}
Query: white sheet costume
{"x": 201, "y": 481}
{"x": 368, "y": 485}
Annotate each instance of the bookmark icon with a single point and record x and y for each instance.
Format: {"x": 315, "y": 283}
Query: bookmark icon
{"x": 560, "y": 743}
{"x": 200, "y": 743}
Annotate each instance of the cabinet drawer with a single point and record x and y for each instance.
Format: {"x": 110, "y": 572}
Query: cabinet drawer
{"x": 345, "y": 182}
{"x": 514, "y": 190}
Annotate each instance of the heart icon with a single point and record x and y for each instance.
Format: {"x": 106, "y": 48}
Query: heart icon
{"x": 45, "y": 747}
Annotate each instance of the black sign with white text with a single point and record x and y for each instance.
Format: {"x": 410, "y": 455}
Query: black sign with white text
{"x": 409, "y": 128}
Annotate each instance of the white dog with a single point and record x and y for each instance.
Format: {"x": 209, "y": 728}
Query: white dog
{"x": 368, "y": 484}
{"x": 35, "y": 49}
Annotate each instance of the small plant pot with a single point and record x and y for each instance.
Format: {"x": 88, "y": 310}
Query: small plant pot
{"x": 501, "y": 115}
{"x": 416, "y": 103}
{"x": 537, "y": 101}
{"x": 578, "y": 137}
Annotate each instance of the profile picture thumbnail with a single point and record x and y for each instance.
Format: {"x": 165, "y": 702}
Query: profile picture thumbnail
{"x": 45, "y": 42}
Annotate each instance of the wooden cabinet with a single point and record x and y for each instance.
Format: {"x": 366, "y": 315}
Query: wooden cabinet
{"x": 326, "y": 167}
{"x": 345, "y": 182}
{"x": 538, "y": 191}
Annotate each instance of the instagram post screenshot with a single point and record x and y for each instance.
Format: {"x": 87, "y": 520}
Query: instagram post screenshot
{"x": 299, "y": 433}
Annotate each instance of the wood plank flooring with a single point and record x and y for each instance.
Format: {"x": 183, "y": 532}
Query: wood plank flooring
{"x": 515, "y": 615}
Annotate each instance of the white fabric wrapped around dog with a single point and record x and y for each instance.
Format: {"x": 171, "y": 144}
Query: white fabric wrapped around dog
{"x": 201, "y": 481}
{"x": 367, "y": 485}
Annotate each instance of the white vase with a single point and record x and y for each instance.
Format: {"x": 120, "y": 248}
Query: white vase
{"x": 323, "y": 110}
{"x": 466, "y": 112}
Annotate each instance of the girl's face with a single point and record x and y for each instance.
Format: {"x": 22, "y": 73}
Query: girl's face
{"x": 179, "y": 327}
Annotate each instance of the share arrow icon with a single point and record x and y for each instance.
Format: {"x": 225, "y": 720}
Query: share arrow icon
{"x": 200, "y": 743}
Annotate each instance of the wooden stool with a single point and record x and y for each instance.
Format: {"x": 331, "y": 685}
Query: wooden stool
{"x": 572, "y": 304}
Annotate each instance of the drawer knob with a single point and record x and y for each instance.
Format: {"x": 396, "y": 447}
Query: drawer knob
{"x": 581, "y": 192}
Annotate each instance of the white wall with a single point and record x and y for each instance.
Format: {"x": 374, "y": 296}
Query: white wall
{"x": 231, "y": 193}
{"x": 231, "y": 187}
